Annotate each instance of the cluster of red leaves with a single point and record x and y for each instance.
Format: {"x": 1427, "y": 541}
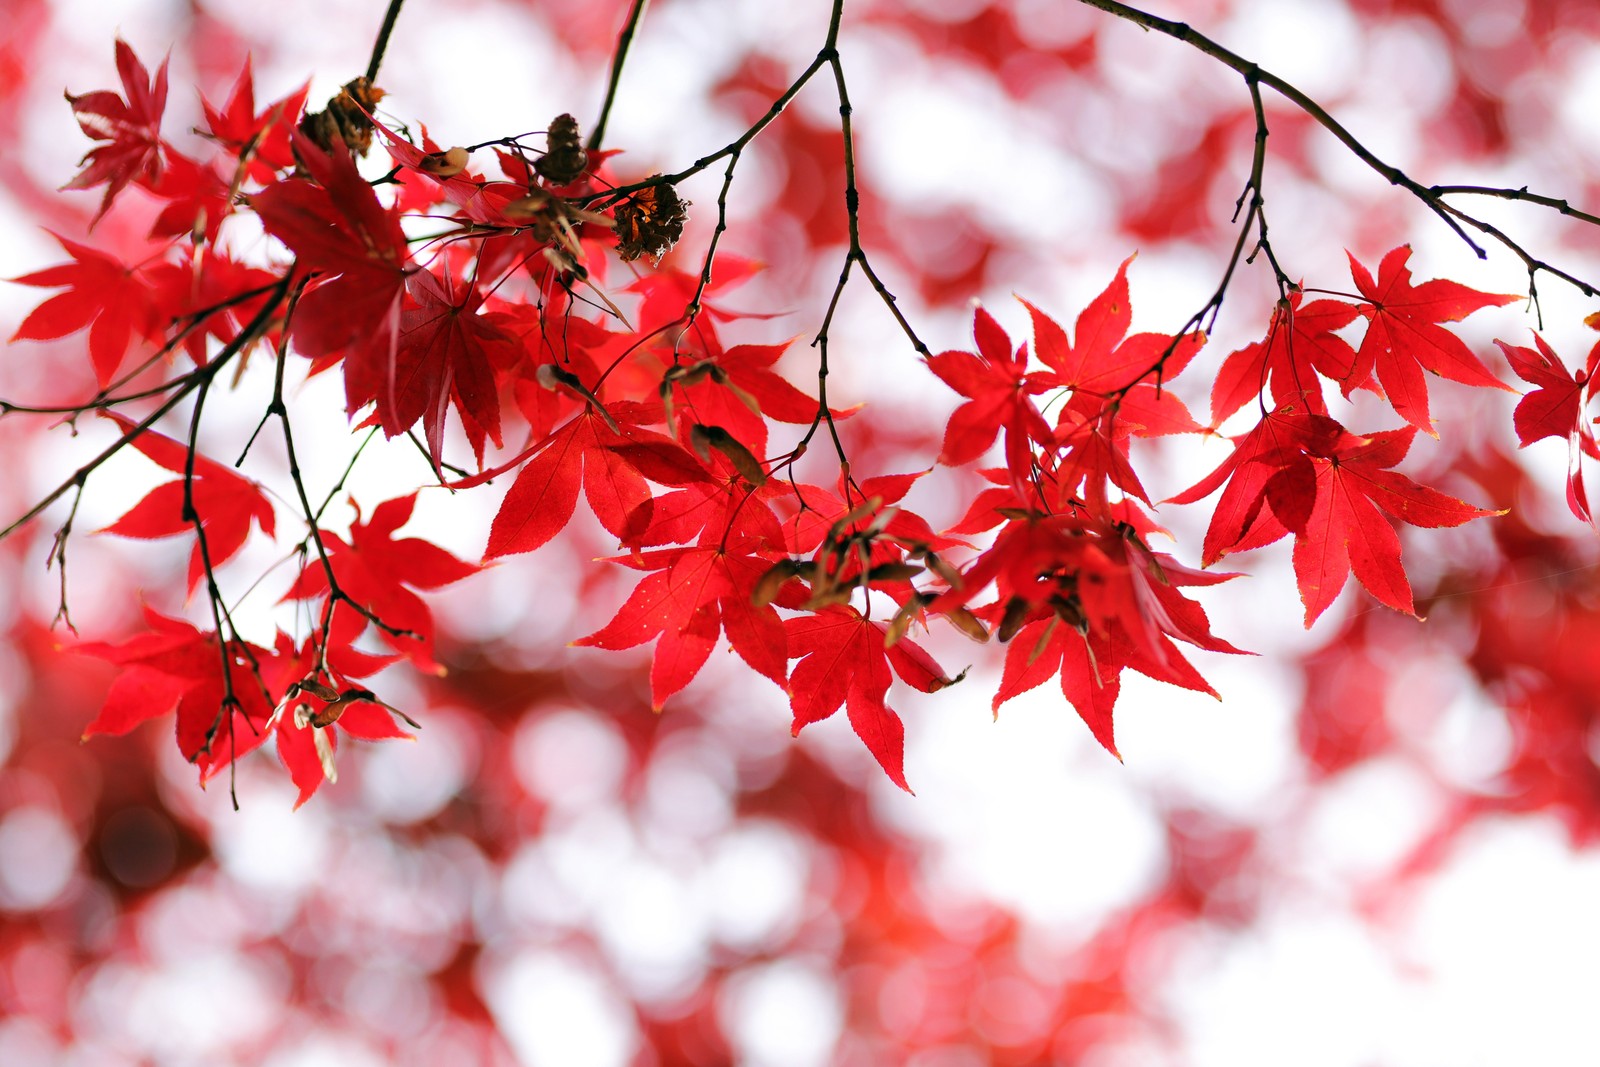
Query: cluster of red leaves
{"x": 667, "y": 433}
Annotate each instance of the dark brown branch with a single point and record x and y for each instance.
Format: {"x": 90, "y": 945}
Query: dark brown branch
{"x": 1521, "y": 195}
{"x": 246, "y": 337}
{"x": 1431, "y": 197}
{"x": 381, "y": 45}
{"x": 618, "y": 58}
{"x": 778, "y": 107}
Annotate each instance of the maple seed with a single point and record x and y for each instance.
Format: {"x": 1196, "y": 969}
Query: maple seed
{"x": 650, "y": 222}
{"x": 564, "y": 161}
{"x": 772, "y": 582}
{"x": 445, "y": 164}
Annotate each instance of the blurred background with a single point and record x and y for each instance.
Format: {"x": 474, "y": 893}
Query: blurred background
{"x": 1375, "y": 850}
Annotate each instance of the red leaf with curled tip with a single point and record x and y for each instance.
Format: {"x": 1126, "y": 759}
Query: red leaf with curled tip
{"x": 114, "y": 300}
{"x": 1555, "y": 408}
{"x": 842, "y": 660}
{"x": 225, "y": 502}
{"x": 1404, "y": 336}
{"x": 131, "y": 127}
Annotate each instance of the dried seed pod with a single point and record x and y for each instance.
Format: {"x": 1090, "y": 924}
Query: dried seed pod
{"x": 564, "y": 160}
{"x": 650, "y": 222}
{"x": 345, "y": 118}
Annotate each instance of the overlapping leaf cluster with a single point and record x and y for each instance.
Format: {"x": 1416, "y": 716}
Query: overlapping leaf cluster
{"x": 501, "y": 325}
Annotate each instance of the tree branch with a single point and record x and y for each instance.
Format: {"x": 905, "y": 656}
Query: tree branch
{"x": 381, "y": 45}
{"x": 618, "y": 58}
{"x": 1457, "y": 220}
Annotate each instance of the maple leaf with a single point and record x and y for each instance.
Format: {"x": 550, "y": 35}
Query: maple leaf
{"x": 1088, "y": 667}
{"x": 132, "y": 127}
{"x": 176, "y": 667}
{"x": 1244, "y": 517}
{"x": 335, "y": 225}
{"x": 307, "y": 749}
{"x": 1555, "y": 409}
{"x": 1345, "y": 530}
{"x": 111, "y": 298}
{"x": 843, "y": 660}
{"x": 198, "y": 200}
{"x": 1118, "y": 389}
{"x": 738, "y": 390}
{"x": 695, "y": 594}
{"x": 997, "y": 386}
{"x": 260, "y": 140}
{"x": 447, "y": 353}
{"x": 1104, "y": 360}
{"x": 1301, "y": 343}
{"x": 208, "y": 289}
{"x": 610, "y": 461}
{"x": 375, "y": 568}
{"x": 1404, "y": 336}
{"x": 225, "y": 502}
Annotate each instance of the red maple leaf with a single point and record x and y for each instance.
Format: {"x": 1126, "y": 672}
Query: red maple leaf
{"x": 695, "y": 594}
{"x": 1555, "y": 409}
{"x": 111, "y": 298}
{"x": 843, "y": 659}
{"x": 1345, "y": 530}
{"x": 225, "y": 502}
{"x": 1244, "y": 517}
{"x": 309, "y": 760}
{"x": 611, "y": 461}
{"x": 335, "y": 225}
{"x": 1118, "y": 389}
{"x": 1104, "y": 360}
{"x": 197, "y": 200}
{"x": 738, "y": 390}
{"x": 207, "y": 288}
{"x": 132, "y": 128}
{"x": 1300, "y": 345}
{"x": 997, "y": 386}
{"x": 447, "y": 353}
{"x": 177, "y": 667}
{"x": 1088, "y": 599}
{"x": 1404, "y": 336}
{"x": 375, "y": 568}
{"x": 260, "y": 140}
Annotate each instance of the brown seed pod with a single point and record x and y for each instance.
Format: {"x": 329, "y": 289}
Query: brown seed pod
{"x": 346, "y": 117}
{"x": 650, "y": 222}
{"x": 564, "y": 159}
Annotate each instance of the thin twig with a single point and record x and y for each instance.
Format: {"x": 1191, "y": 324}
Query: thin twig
{"x": 1457, "y": 220}
{"x": 618, "y": 58}
{"x": 381, "y": 45}
{"x": 246, "y": 337}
